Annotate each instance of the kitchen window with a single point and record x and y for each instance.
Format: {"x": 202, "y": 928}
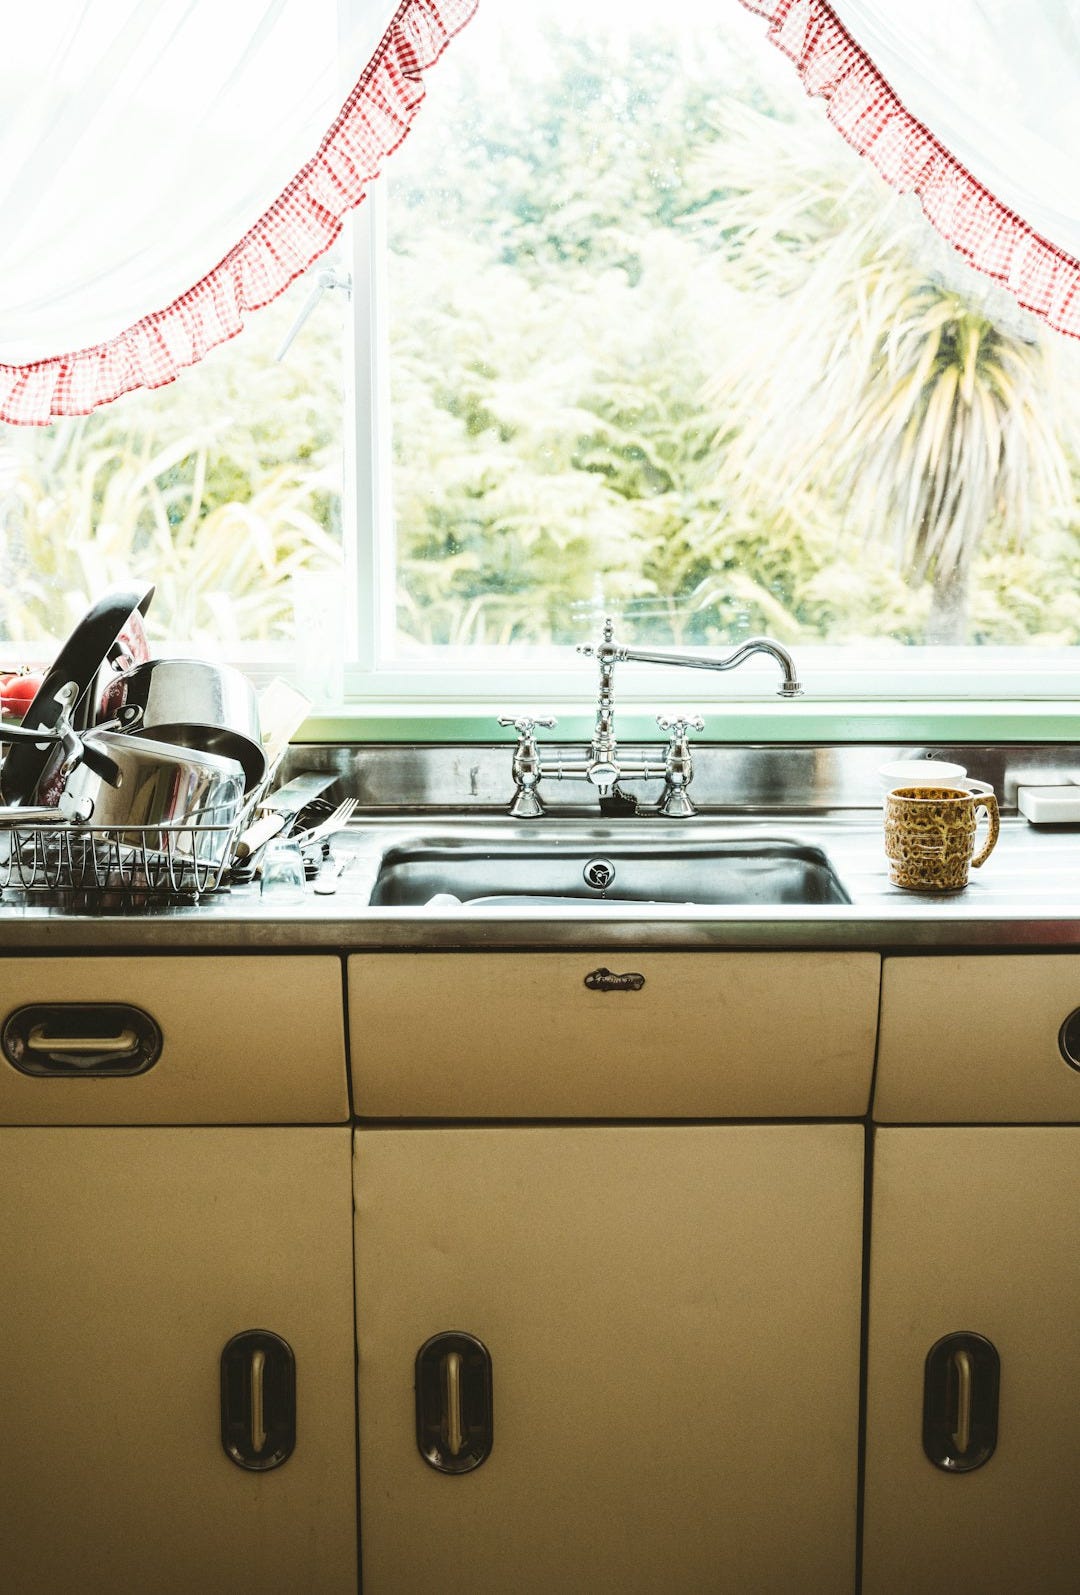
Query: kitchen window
{"x": 631, "y": 331}
{"x": 218, "y": 488}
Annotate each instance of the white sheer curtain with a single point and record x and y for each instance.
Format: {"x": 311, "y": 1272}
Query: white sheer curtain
{"x": 141, "y": 142}
{"x": 974, "y": 106}
{"x": 998, "y": 82}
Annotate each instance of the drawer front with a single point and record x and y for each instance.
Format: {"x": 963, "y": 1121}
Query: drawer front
{"x": 612, "y": 1034}
{"x": 975, "y": 1040}
{"x": 237, "y": 1040}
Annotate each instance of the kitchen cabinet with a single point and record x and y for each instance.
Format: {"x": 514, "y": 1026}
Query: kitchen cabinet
{"x": 130, "y": 1258}
{"x": 974, "y": 1230}
{"x": 586, "y": 1176}
{"x": 972, "y": 1443}
{"x": 672, "y": 1318}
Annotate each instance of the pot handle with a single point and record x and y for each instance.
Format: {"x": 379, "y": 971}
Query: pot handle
{"x": 95, "y": 757}
{"x": 78, "y": 749}
{"x": 23, "y": 734}
{"x": 98, "y": 761}
{"x": 69, "y": 740}
{"x": 124, "y": 720}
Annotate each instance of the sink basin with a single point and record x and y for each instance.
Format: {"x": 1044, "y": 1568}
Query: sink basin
{"x": 605, "y": 872}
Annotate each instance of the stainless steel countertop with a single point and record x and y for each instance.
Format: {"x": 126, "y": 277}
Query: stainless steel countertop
{"x": 1026, "y": 896}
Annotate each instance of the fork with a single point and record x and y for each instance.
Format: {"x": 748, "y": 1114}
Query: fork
{"x": 333, "y": 822}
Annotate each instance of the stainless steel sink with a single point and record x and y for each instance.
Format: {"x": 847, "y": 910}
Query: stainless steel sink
{"x": 604, "y": 871}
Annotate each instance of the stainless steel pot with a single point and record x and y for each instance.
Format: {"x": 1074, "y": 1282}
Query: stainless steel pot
{"x": 159, "y": 784}
{"x": 210, "y": 708}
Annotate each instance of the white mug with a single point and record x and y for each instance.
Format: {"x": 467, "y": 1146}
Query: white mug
{"x": 928, "y": 772}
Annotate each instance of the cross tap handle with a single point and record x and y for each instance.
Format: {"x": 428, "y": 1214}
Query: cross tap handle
{"x": 525, "y": 724}
{"x": 679, "y": 724}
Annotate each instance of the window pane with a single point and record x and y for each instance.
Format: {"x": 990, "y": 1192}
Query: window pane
{"x": 662, "y": 344}
{"x": 219, "y": 488}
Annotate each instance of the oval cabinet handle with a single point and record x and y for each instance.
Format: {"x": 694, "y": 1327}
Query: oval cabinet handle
{"x": 960, "y": 1402}
{"x": 81, "y": 1038}
{"x": 258, "y": 1400}
{"x": 1069, "y": 1039}
{"x": 454, "y": 1402}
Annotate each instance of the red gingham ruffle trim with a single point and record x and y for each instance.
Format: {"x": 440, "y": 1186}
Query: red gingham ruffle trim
{"x": 298, "y": 227}
{"x": 865, "y": 110}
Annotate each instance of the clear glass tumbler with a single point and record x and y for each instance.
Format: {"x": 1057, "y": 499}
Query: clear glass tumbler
{"x": 283, "y": 876}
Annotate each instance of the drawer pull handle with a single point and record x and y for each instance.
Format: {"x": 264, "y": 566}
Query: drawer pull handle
{"x": 453, "y": 1402}
{"x": 258, "y": 1400}
{"x": 960, "y": 1402}
{"x": 39, "y": 1040}
{"x": 81, "y": 1038}
{"x": 606, "y": 980}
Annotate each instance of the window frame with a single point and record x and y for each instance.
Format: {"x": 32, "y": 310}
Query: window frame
{"x": 912, "y": 687}
{"x": 462, "y": 681}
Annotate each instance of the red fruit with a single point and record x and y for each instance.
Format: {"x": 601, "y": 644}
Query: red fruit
{"x": 18, "y": 689}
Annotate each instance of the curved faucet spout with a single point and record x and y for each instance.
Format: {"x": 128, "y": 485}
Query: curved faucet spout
{"x": 789, "y": 686}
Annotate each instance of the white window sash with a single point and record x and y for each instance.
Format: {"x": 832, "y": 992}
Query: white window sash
{"x": 454, "y": 679}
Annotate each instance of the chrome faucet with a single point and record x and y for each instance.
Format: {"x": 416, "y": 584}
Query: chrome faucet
{"x": 609, "y": 652}
{"x": 602, "y": 765}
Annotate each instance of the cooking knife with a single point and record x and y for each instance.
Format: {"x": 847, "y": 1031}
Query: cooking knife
{"x": 281, "y": 807}
{"x": 296, "y": 794}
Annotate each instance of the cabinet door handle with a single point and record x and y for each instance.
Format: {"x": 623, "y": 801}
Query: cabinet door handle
{"x": 258, "y": 1426}
{"x": 452, "y": 1368}
{"x": 960, "y": 1402}
{"x": 964, "y": 1374}
{"x": 453, "y": 1402}
{"x": 258, "y": 1400}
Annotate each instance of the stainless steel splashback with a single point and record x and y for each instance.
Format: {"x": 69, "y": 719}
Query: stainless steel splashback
{"x": 749, "y": 778}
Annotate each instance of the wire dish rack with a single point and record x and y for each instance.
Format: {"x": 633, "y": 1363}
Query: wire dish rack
{"x": 176, "y": 862}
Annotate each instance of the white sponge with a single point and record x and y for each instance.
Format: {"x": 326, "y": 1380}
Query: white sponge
{"x": 1050, "y": 805}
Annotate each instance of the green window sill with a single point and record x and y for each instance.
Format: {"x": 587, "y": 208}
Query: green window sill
{"x": 1035, "y": 720}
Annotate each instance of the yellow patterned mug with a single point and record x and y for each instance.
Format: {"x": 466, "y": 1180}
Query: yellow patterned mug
{"x": 930, "y": 836}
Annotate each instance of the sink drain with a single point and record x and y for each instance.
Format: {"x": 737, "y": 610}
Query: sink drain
{"x": 599, "y": 873}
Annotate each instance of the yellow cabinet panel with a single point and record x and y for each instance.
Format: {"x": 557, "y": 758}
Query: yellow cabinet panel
{"x": 672, "y": 1315}
{"x": 975, "y": 1230}
{"x": 246, "y": 1040}
{"x": 523, "y": 1035}
{"x": 968, "y": 1039}
{"x": 129, "y": 1258}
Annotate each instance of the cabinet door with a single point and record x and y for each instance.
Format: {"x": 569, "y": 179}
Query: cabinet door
{"x": 129, "y": 1259}
{"x": 975, "y": 1230}
{"x": 672, "y": 1317}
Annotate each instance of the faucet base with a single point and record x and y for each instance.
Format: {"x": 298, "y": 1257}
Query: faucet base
{"x": 525, "y": 805}
{"x": 676, "y": 805}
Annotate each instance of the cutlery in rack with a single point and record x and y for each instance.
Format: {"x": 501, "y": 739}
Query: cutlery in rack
{"x": 337, "y": 821}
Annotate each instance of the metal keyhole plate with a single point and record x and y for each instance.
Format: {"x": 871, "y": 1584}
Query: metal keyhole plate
{"x": 599, "y": 873}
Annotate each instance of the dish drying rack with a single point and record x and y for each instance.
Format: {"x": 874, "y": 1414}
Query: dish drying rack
{"x": 178, "y": 862}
